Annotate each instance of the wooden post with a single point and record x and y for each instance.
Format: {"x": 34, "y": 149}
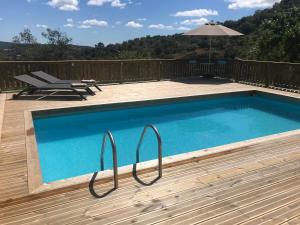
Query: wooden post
{"x": 159, "y": 70}
{"x": 121, "y": 73}
{"x": 267, "y": 72}
{"x": 235, "y": 70}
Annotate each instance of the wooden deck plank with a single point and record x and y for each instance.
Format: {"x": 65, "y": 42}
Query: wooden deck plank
{"x": 193, "y": 168}
{"x": 237, "y": 187}
{"x": 293, "y": 221}
{"x": 203, "y": 209}
{"x": 100, "y": 202}
{"x": 265, "y": 204}
{"x": 278, "y": 216}
{"x": 57, "y": 207}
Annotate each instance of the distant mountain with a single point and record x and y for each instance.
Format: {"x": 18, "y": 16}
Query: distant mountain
{"x": 271, "y": 34}
{"x": 38, "y": 52}
{"x": 6, "y": 45}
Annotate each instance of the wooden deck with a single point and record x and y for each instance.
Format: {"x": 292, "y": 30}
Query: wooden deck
{"x": 258, "y": 185}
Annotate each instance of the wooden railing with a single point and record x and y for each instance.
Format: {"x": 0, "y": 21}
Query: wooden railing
{"x": 266, "y": 73}
{"x": 286, "y": 75}
{"x": 104, "y": 71}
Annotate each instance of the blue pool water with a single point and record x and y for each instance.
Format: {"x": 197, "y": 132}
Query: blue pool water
{"x": 69, "y": 144}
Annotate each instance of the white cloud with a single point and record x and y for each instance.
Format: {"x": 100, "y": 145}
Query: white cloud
{"x": 92, "y": 23}
{"x": 183, "y": 28}
{"x": 167, "y": 27}
{"x": 64, "y": 5}
{"x": 113, "y": 3}
{"x": 142, "y": 19}
{"x": 41, "y": 26}
{"x": 70, "y": 23}
{"x": 161, "y": 27}
{"x": 118, "y": 4}
{"x": 84, "y": 26}
{"x": 197, "y": 13}
{"x": 134, "y": 24}
{"x": 240, "y": 4}
{"x": 98, "y": 2}
{"x": 196, "y": 22}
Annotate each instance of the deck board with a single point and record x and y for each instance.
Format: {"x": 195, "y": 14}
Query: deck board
{"x": 257, "y": 185}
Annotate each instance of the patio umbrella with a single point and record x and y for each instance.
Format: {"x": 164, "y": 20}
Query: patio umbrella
{"x": 212, "y": 30}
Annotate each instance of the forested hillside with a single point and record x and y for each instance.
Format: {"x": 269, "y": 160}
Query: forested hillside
{"x": 270, "y": 34}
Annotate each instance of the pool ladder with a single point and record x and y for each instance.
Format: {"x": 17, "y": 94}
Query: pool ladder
{"x": 109, "y": 135}
{"x": 159, "y": 153}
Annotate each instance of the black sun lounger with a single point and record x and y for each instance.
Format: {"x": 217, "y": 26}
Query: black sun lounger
{"x": 36, "y": 85}
{"x": 54, "y": 80}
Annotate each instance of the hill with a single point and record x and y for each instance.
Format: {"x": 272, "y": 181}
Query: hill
{"x": 271, "y": 34}
{"x": 5, "y": 45}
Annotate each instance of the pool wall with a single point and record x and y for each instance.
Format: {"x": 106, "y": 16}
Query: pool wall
{"x": 35, "y": 184}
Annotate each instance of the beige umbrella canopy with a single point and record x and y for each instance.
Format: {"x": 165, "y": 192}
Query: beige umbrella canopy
{"x": 211, "y": 30}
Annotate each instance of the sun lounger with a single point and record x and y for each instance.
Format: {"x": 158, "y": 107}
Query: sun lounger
{"x": 54, "y": 80}
{"x": 37, "y": 85}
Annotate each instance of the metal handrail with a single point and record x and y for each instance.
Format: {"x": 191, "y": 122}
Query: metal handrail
{"x": 115, "y": 165}
{"x": 134, "y": 172}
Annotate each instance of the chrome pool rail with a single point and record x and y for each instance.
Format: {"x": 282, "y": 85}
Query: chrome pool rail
{"x": 115, "y": 166}
{"x": 159, "y": 147}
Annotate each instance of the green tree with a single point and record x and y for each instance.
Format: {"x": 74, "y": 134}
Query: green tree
{"x": 25, "y": 37}
{"x": 58, "y": 44}
{"x": 56, "y": 37}
{"x": 25, "y": 45}
{"x": 280, "y": 37}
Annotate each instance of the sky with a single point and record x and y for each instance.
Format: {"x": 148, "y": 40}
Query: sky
{"x": 110, "y": 21}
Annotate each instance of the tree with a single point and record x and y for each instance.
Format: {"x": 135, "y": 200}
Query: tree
{"x": 25, "y": 37}
{"x": 100, "y": 46}
{"x": 25, "y": 45}
{"x": 56, "y": 37}
{"x": 280, "y": 37}
{"x": 99, "y": 50}
{"x": 58, "y": 45}
{"x": 271, "y": 34}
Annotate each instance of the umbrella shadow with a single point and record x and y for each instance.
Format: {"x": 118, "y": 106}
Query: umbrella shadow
{"x": 203, "y": 81}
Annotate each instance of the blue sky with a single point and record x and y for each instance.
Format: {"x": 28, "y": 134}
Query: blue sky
{"x": 109, "y": 21}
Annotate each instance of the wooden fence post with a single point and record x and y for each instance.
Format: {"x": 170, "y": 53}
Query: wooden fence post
{"x": 267, "y": 73}
{"x": 121, "y": 73}
{"x": 237, "y": 70}
{"x": 159, "y": 70}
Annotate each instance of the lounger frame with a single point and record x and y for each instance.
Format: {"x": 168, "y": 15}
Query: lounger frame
{"x": 37, "y": 85}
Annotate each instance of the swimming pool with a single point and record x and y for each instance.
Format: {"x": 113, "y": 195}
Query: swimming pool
{"x": 69, "y": 143}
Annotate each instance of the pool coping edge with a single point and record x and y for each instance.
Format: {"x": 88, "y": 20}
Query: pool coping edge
{"x": 36, "y": 186}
